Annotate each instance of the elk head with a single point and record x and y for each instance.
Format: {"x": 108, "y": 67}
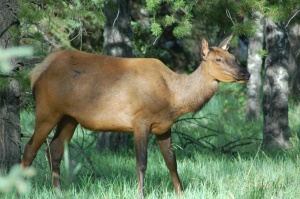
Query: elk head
{"x": 222, "y": 66}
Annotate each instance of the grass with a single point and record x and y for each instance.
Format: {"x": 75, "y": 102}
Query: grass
{"x": 205, "y": 173}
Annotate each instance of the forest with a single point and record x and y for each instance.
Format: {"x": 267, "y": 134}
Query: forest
{"x": 243, "y": 143}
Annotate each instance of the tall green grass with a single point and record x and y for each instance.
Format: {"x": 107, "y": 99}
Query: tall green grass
{"x": 205, "y": 173}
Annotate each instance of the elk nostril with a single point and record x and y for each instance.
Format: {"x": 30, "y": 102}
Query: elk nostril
{"x": 248, "y": 75}
{"x": 244, "y": 75}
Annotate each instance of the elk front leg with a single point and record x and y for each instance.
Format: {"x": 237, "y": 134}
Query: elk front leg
{"x": 165, "y": 145}
{"x": 141, "y": 137}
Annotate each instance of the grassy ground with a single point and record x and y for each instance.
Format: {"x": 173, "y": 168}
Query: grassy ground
{"x": 204, "y": 175}
{"x": 245, "y": 172}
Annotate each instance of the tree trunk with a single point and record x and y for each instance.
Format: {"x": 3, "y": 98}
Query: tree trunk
{"x": 275, "y": 88}
{"x": 10, "y": 126}
{"x": 10, "y": 141}
{"x": 117, "y": 29}
{"x": 294, "y": 60}
{"x": 254, "y": 65}
{"x": 117, "y": 42}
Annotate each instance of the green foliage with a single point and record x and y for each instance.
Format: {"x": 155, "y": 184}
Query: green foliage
{"x": 262, "y": 53}
{"x": 183, "y": 29}
{"x": 247, "y": 28}
{"x": 152, "y": 5}
{"x": 276, "y": 10}
{"x": 28, "y": 15}
{"x": 55, "y": 22}
{"x": 169, "y": 20}
{"x": 156, "y": 29}
{"x": 280, "y": 11}
{"x": 178, "y": 14}
{"x": 7, "y": 54}
{"x": 16, "y": 179}
{"x": 216, "y": 12}
{"x": 239, "y": 16}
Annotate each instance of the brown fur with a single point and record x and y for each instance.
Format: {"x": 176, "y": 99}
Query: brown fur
{"x": 121, "y": 94}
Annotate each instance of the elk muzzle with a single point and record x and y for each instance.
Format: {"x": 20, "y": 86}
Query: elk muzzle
{"x": 243, "y": 76}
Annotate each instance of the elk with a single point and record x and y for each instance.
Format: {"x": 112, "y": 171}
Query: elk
{"x": 105, "y": 93}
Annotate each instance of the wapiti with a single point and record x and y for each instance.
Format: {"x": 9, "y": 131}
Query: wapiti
{"x": 107, "y": 93}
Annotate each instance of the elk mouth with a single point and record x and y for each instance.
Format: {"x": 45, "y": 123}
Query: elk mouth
{"x": 242, "y": 81}
{"x": 243, "y": 78}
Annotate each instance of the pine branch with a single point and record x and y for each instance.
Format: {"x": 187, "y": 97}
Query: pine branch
{"x": 294, "y": 15}
{"x": 52, "y": 44}
{"x": 229, "y": 16}
{"x": 9, "y": 26}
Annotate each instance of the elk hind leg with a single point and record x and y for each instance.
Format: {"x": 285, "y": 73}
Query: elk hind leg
{"x": 64, "y": 132}
{"x": 44, "y": 124}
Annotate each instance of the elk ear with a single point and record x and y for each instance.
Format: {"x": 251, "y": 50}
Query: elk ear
{"x": 204, "y": 49}
{"x": 225, "y": 43}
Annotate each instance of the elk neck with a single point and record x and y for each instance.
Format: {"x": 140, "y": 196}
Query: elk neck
{"x": 191, "y": 92}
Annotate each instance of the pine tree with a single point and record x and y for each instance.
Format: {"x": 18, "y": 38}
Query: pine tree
{"x": 117, "y": 42}
{"x": 275, "y": 88}
{"x": 10, "y": 141}
{"x": 254, "y": 66}
{"x": 294, "y": 62}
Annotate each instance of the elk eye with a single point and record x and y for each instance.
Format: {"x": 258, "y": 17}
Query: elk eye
{"x": 218, "y": 59}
